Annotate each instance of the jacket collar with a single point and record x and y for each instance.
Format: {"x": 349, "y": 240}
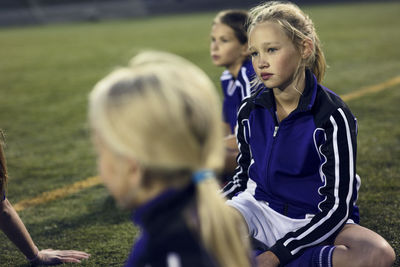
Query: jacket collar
{"x": 265, "y": 96}
{"x": 167, "y": 204}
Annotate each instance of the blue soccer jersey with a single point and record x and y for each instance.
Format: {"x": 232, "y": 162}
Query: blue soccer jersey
{"x": 165, "y": 236}
{"x": 235, "y": 90}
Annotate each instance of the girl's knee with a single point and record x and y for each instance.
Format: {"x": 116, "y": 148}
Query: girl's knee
{"x": 387, "y": 253}
{"x": 365, "y": 247}
{"x": 381, "y": 255}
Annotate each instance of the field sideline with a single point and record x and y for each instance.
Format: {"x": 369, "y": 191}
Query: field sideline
{"x": 47, "y": 72}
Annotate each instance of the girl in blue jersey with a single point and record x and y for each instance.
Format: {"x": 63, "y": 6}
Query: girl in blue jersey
{"x": 296, "y": 184}
{"x": 157, "y": 129}
{"x": 15, "y": 230}
{"x": 229, "y": 49}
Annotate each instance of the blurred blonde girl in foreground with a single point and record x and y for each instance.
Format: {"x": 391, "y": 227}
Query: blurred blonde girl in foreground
{"x": 157, "y": 129}
{"x": 12, "y": 225}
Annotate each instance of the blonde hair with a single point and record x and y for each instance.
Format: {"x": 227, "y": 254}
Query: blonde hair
{"x": 297, "y": 26}
{"x": 3, "y": 168}
{"x": 164, "y": 112}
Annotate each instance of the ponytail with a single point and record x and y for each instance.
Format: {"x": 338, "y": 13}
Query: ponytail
{"x": 219, "y": 227}
{"x": 169, "y": 90}
{"x": 318, "y": 67}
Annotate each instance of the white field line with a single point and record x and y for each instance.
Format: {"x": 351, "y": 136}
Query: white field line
{"x": 57, "y": 193}
{"x": 371, "y": 89}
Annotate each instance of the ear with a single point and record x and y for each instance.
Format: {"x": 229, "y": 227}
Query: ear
{"x": 130, "y": 197}
{"x": 134, "y": 173}
{"x": 307, "y": 48}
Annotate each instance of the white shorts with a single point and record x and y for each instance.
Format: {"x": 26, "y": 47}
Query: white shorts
{"x": 264, "y": 223}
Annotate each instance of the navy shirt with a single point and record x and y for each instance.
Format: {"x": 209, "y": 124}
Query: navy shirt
{"x": 235, "y": 90}
{"x": 303, "y": 166}
{"x": 165, "y": 237}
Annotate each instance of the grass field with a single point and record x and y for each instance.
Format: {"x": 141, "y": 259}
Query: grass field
{"x": 47, "y": 72}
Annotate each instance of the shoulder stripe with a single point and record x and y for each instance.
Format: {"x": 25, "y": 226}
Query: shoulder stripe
{"x": 247, "y": 82}
{"x": 225, "y": 76}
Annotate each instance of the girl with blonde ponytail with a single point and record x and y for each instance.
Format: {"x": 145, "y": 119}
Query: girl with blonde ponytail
{"x": 156, "y": 126}
{"x": 297, "y": 142}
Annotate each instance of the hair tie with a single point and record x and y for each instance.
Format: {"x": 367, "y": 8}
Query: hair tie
{"x": 201, "y": 175}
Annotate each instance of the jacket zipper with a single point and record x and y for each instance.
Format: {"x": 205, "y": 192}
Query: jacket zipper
{"x": 285, "y": 207}
{"x": 272, "y": 148}
{"x": 275, "y": 131}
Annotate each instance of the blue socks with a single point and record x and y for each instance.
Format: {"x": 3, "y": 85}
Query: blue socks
{"x": 320, "y": 256}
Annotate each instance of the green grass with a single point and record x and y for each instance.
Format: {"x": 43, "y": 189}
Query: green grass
{"x": 48, "y": 71}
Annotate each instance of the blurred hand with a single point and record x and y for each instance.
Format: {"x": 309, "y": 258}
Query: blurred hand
{"x": 54, "y": 257}
{"x": 267, "y": 259}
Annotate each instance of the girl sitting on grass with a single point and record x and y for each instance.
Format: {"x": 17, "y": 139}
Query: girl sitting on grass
{"x": 297, "y": 142}
{"x": 228, "y": 49}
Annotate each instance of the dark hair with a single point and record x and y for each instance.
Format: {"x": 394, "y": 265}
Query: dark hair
{"x": 237, "y": 20}
{"x": 3, "y": 168}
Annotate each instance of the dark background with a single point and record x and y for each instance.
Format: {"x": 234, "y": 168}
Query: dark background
{"x": 27, "y": 12}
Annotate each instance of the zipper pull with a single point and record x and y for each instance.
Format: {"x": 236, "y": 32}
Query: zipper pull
{"x": 275, "y": 131}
